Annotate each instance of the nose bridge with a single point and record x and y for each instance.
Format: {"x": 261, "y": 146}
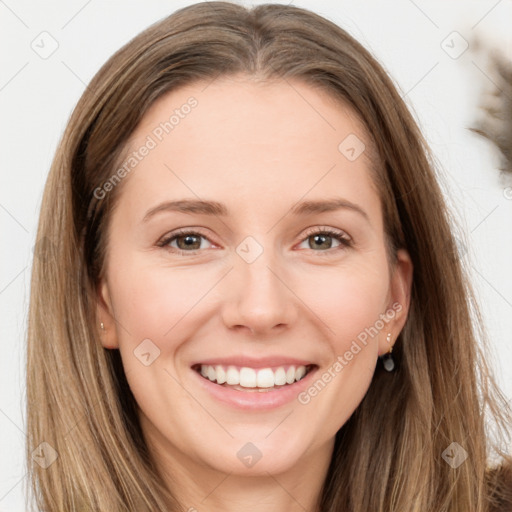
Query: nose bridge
{"x": 258, "y": 298}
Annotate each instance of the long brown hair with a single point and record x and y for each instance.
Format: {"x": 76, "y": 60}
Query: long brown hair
{"x": 389, "y": 454}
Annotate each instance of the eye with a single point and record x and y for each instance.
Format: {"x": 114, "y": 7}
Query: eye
{"x": 186, "y": 241}
{"x": 322, "y": 238}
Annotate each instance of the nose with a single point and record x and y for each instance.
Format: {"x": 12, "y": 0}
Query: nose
{"x": 257, "y": 297}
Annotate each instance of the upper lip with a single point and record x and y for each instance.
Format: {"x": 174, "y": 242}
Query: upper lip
{"x": 252, "y": 362}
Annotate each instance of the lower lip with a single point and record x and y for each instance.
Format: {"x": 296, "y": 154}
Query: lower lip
{"x": 256, "y": 400}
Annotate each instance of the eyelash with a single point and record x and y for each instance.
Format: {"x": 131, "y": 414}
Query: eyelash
{"x": 344, "y": 240}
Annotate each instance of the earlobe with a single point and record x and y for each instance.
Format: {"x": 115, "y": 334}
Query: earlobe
{"x": 105, "y": 318}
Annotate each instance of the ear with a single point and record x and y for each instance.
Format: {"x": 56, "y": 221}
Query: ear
{"x": 399, "y": 300}
{"x": 105, "y": 315}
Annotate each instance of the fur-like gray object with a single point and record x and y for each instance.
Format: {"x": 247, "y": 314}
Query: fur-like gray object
{"x": 496, "y": 124}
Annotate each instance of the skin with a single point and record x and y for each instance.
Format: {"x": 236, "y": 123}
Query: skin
{"x": 259, "y": 148}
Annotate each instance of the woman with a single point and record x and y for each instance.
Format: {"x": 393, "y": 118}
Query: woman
{"x": 189, "y": 350}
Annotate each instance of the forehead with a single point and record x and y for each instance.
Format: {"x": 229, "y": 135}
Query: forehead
{"x": 239, "y": 138}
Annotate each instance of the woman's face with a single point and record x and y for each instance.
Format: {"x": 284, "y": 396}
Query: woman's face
{"x": 266, "y": 278}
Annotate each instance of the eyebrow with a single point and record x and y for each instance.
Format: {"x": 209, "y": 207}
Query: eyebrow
{"x": 220, "y": 209}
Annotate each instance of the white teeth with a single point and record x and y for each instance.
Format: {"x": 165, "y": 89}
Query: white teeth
{"x": 280, "y": 377}
{"x": 300, "y": 372}
{"x": 265, "y": 378}
{"x": 232, "y": 376}
{"x": 247, "y": 378}
{"x": 220, "y": 374}
{"x": 290, "y": 375}
{"x": 253, "y": 378}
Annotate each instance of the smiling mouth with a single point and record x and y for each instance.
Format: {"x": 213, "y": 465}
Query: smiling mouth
{"x": 253, "y": 379}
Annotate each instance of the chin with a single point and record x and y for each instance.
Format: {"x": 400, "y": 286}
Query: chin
{"x": 256, "y": 455}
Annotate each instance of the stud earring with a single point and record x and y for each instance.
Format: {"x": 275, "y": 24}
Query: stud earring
{"x": 387, "y": 359}
{"x": 102, "y": 326}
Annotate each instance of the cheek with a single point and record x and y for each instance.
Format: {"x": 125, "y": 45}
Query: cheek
{"x": 150, "y": 301}
{"x": 355, "y": 314}
{"x": 350, "y": 305}
{"x": 348, "y": 300}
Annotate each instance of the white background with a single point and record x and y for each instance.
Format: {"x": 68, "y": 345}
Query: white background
{"x": 37, "y": 96}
